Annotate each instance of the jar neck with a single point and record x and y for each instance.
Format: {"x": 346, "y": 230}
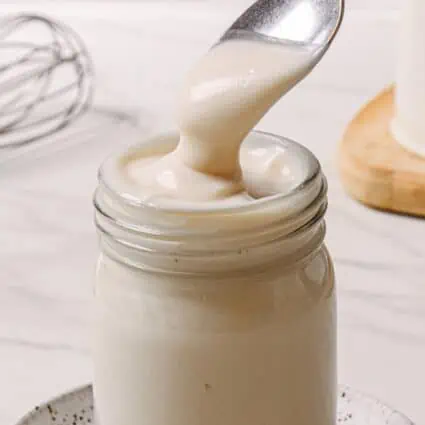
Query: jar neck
{"x": 281, "y": 228}
{"x": 284, "y": 253}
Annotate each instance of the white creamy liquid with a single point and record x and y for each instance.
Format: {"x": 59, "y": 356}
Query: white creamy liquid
{"x": 224, "y": 97}
{"x": 244, "y": 350}
{"x": 250, "y": 339}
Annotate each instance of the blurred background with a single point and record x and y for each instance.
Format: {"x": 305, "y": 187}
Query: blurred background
{"x": 141, "y": 50}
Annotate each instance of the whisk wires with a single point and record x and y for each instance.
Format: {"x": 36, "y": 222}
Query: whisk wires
{"x": 46, "y": 78}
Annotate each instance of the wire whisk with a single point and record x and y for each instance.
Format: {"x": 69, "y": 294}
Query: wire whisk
{"x": 46, "y": 78}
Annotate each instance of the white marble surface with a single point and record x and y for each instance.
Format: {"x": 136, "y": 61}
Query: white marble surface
{"x": 48, "y": 243}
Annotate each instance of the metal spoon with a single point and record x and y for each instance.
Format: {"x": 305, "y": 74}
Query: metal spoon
{"x": 303, "y": 24}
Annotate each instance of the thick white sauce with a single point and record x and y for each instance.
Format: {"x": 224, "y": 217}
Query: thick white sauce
{"x": 223, "y": 98}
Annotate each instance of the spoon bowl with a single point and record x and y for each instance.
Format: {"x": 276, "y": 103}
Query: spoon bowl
{"x": 311, "y": 23}
{"x": 308, "y": 25}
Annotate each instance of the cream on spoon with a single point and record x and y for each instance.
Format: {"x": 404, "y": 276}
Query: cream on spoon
{"x": 230, "y": 89}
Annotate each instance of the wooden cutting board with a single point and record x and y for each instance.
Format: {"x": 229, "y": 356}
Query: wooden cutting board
{"x": 374, "y": 168}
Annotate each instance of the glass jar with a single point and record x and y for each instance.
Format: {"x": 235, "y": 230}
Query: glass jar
{"x": 221, "y": 316}
{"x": 408, "y": 125}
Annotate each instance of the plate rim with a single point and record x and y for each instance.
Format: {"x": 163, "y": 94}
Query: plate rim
{"x": 88, "y": 388}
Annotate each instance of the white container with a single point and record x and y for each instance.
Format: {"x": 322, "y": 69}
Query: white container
{"x": 409, "y": 122}
{"x": 219, "y": 317}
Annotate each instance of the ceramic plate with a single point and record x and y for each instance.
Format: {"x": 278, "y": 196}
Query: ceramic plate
{"x": 76, "y": 408}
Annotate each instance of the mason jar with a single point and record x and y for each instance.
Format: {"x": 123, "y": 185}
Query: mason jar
{"x": 214, "y": 316}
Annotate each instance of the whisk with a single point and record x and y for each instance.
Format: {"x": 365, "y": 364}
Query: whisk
{"x": 46, "y": 78}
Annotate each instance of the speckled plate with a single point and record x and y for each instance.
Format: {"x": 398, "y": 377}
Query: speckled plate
{"x": 76, "y": 408}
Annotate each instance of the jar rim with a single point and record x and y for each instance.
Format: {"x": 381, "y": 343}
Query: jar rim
{"x": 314, "y": 171}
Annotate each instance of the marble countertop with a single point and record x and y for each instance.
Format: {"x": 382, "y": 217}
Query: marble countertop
{"x": 48, "y": 243}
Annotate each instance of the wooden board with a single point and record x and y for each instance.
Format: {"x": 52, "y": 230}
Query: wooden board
{"x": 374, "y": 168}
